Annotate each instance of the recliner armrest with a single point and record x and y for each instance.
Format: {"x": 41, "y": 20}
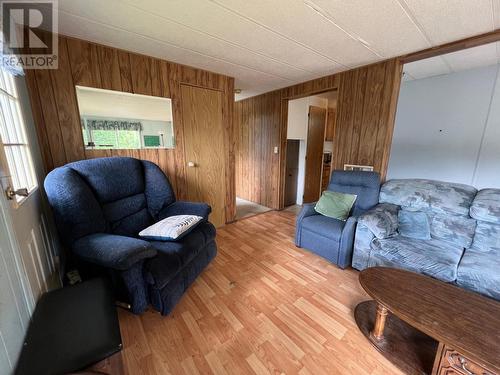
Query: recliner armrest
{"x": 112, "y": 251}
{"x": 307, "y": 210}
{"x": 185, "y": 208}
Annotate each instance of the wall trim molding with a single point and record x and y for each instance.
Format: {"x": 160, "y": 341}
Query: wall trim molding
{"x": 458, "y": 45}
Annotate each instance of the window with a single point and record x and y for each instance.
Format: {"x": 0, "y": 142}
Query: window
{"x": 13, "y": 136}
{"x": 111, "y": 138}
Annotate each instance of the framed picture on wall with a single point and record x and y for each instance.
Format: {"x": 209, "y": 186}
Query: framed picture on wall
{"x": 353, "y": 167}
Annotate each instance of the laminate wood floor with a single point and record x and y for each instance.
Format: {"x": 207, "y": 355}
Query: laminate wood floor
{"x": 262, "y": 307}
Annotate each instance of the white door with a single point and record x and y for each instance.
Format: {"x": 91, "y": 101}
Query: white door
{"x": 28, "y": 266}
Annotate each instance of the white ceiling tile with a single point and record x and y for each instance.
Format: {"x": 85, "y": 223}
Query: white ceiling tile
{"x": 116, "y": 14}
{"x": 473, "y": 57}
{"x": 427, "y": 68}
{"x": 267, "y": 45}
{"x": 384, "y": 24}
{"x": 217, "y": 21}
{"x": 496, "y": 13}
{"x": 470, "y": 58}
{"x": 445, "y": 21}
{"x": 302, "y": 24}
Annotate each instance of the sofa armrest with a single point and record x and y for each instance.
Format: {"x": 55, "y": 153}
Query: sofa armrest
{"x": 362, "y": 247}
{"x": 381, "y": 220}
{"x": 111, "y": 251}
{"x": 185, "y": 208}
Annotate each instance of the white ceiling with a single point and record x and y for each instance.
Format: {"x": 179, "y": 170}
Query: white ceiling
{"x": 485, "y": 55}
{"x": 269, "y": 44}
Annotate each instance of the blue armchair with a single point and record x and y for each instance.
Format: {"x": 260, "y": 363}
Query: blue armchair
{"x": 100, "y": 206}
{"x": 331, "y": 238}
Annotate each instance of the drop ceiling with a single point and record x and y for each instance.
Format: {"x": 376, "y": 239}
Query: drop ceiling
{"x": 269, "y": 44}
{"x": 477, "y": 57}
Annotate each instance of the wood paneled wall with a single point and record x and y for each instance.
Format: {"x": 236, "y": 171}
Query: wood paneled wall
{"x": 55, "y": 109}
{"x": 257, "y": 166}
{"x": 366, "y": 109}
{"x": 365, "y": 115}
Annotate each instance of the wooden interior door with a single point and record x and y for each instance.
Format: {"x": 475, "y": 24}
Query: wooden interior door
{"x": 330, "y": 124}
{"x": 314, "y": 153}
{"x": 204, "y": 149}
{"x": 292, "y": 171}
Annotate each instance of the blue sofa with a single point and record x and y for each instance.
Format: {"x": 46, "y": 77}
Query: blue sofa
{"x": 331, "y": 238}
{"x": 464, "y": 247}
{"x": 100, "y": 206}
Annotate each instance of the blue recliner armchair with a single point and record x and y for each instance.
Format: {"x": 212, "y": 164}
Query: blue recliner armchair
{"x": 100, "y": 206}
{"x": 331, "y": 238}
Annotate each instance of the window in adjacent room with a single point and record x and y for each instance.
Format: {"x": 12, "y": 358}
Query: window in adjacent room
{"x": 120, "y": 120}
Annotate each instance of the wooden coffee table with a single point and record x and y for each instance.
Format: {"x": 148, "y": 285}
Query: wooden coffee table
{"x": 425, "y": 326}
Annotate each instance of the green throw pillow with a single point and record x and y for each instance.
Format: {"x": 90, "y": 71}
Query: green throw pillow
{"x": 335, "y": 205}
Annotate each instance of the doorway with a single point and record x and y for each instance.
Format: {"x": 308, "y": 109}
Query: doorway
{"x": 310, "y": 137}
{"x": 292, "y": 171}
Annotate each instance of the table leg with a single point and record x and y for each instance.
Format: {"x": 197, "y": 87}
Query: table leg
{"x": 378, "y": 330}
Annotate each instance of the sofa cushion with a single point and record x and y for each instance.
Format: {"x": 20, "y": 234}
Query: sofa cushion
{"x": 381, "y": 220}
{"x": 428, "y": 195}
{"x": 324, "y": 226}
{"x": 479, "y": 271}
{"x": 457, "y": 230}
{"x": 487, "y": 238}
{"x": 414, "y": 225}
{"x": 486, "y": 206}
{"x": 434, "y": 258}
{"x": 174, "y": 256}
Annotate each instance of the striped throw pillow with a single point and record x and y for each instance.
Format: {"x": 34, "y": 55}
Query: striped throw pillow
{"x": 171, "y": 228}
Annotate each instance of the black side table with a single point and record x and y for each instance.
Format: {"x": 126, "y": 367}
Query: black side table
{"x": 71, "y": 329}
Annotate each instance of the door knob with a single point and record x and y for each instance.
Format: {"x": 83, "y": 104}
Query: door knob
{"x": 191, "y": 164}
{"x": 11, "y": 193}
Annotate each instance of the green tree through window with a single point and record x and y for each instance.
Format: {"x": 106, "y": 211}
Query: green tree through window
{"x": 104, "y": 138}
{"x": 129, "y": 139}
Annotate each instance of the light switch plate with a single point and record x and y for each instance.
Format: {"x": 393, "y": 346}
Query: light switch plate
{"x": 275, "y": 149}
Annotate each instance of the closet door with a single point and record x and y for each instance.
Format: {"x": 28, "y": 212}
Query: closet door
{"x": 204, "y": 149}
